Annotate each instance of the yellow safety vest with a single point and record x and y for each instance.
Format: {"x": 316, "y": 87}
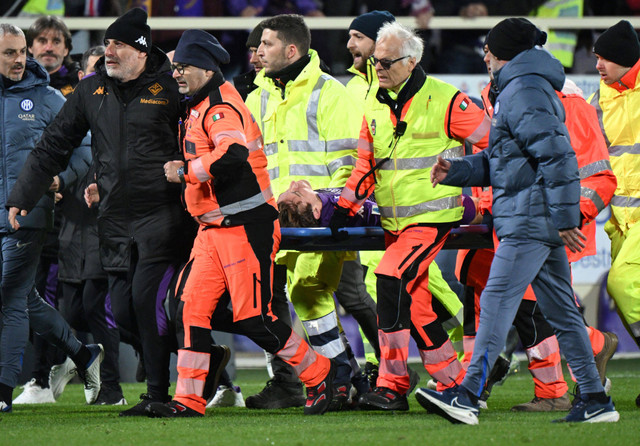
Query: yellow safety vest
{"x": 43, "y": 7}
{"x": 360, "y": 86}
{"x": 312, "y": 133}
{"x": 619, "y": 115}
{"x": 562, "y": 44}
{"x": 403, "y": 191}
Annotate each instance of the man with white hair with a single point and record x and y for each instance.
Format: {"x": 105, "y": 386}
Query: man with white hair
{"x": 411, "y": 119}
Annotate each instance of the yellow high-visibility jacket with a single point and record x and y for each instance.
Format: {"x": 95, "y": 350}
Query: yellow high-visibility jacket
{"x": 311, "y": 133}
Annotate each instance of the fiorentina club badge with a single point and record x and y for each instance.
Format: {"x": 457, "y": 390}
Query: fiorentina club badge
{"x": 373, "y": 127}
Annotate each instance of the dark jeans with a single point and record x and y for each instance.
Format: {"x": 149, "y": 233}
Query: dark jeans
{"x": 22, "y": 306}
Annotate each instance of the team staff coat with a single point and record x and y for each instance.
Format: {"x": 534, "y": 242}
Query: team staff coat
{"x": 27, "y": 107}
{"x": 137, "y": 204}
{"x": 534, "y": 173}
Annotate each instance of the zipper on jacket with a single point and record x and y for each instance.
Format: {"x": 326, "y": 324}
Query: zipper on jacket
{"x": 124, "y": 166}
{"x": 255, "y": 291}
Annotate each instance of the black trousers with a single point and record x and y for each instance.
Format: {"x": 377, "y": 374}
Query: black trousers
{"x": 86, "y": 307}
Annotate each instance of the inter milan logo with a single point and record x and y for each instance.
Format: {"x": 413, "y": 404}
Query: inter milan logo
{"x": 26, "y": 105}
{"x": 373, "y": 127}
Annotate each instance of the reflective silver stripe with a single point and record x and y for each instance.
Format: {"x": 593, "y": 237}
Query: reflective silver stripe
{"x": 233, "y": 134}
{"x": 594, "y": 168}
{"x": 189, "y": 386}
{"x": 321, "y": 325}
{"x": 549, "y": 374}
{"x": 426, "y": 162}
{"x": 595, "y": 101}
{"x": 554, "y": 4}
{"x": 635, "y": 328}
{"x": 306, "y": 146}
{"x": 289, "y": 351}
{"x": 331, "y": 349}
{"x": 309, "y": 170}
{"x": 237, "y": 207}
{"x": 347, "y": 160}
{"x": 312, "y": 108}
{"x": 197, "y": 169}
{"x": 365, "y": 145}
{"x": 559, "y": 46}
{"x": 274, "y": 173}
{"x": 454, "y": 321}
{"x": 421, "y": 208}
{"x": 621, "y": 150}
{"x": 271, "y": 148}
{"x": 592, "y": 195}
{"x": 480, "y": 131}
{"x": 264, "y": 100}
{"x": 336, "y": 145}
{"x": 350, "y": 195}
{"x": 254, "y": 145}
{"x": 545, "y": 348}
{"x": 625, "y": 202}
{"x": 441, "y": 354}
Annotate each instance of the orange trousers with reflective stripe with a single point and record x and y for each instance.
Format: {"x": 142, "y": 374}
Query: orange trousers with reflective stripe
{"x": 405, "y": 308}
{"x": 233, "y": 267}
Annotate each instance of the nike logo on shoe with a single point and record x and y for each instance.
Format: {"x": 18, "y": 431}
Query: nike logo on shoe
{"x": 588, "y": 415}
{"x": 455, "y": 403}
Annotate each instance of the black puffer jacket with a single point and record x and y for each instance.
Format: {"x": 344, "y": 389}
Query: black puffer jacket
{"x": 134, "y": 129}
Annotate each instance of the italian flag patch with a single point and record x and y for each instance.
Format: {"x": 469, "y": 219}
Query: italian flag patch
{"x": 217, "y": 117}
{"x": 464, "y": 104}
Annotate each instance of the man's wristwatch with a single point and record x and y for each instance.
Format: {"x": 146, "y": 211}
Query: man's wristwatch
{"x": 180, "y": 172}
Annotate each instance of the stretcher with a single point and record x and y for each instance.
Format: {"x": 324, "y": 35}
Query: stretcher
{"x": 371, "y": 238}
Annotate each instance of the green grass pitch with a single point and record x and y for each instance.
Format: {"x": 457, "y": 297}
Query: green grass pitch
{"x": 69, "y": 422}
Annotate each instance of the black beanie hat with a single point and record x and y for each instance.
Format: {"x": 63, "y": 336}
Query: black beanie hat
{"x": 132, "y": 29}
{"x": 512, "y": 36}
{"x": 200, "y": 49}
{"x": 619, "y": 44}
{"x": 370, "y": 23}
{"x": 253, "y": 41}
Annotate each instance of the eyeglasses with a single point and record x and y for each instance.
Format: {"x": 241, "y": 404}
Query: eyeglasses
{"x": 179, "y": 67}
{"x": 385, "y": 63}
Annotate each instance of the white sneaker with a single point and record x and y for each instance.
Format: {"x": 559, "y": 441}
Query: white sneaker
{"x": 34, "y": 394}
{"x": 90, "y": 375}
{"x": 60, "y": 375}
{"x": 432, "y": 384}
{"x": 227, "y": 397}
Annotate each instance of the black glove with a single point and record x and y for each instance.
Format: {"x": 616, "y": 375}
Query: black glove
{"x": 339, "y": 221}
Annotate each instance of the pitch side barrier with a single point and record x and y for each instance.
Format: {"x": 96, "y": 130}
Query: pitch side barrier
{"x": 371, "y": 238}
{"x": 338, "y": 23}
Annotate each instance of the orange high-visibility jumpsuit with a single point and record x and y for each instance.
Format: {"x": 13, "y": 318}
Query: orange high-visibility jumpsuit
{"x": 229, "y": 193}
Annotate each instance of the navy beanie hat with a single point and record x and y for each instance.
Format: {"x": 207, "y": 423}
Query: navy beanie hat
{"x": 512, "y": 36}
{"x": 253, "y": 41}
{"x": 619, "y": 44}
{"x": 200, "y": 49}
{"x": 132, "y": 29}
{"x": 370, "y": 23}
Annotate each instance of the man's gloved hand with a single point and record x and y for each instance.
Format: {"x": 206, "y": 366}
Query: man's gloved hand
{"x": 339, "y": 221}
